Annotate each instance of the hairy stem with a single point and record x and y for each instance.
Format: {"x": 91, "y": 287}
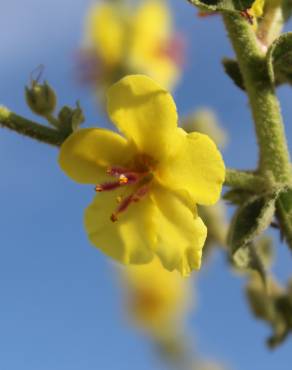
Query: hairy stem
{"x": 29, "y": 128}
{"x": 244, "y": 180}
{"x": 274, "y": 155}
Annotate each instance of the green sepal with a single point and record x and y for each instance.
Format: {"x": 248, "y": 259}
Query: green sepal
{"x": 250, "y": 220}
{"x": 231, "y": 68}
{"x": 222, "y": 5}
{"x": 70, "y": 118}
{"x": 284, "y": 215}
{"x": 279, "y": 59}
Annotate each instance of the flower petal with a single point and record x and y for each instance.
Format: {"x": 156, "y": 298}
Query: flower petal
{"x": 151, "y": 36}
{"x": 163, "y": 70}
{"x": 197, "y": 167}
{"x": 180, "y": 233}
{"x": 152, "y": 25}
{"x": 105, "y": 33}
{"x": 145, "y": 113}
{"x": 257, "y": 8}
{"x": 128, "y": 240}
{"x": 86, "y": 154}
{"x": 151, "y": 30}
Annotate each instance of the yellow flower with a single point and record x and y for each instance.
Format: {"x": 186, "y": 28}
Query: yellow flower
{"x": 254, "y": 13}
{"x": 125, "y": 40}
{"x": 157, "y": 299}
{"x": 257, "y": 8}
{"x": 150, "y": 178}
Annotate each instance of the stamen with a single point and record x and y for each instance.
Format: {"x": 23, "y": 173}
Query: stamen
{"x": 124, "y": 203}
{"x": 114, "y": 218}
{"x": 107, "y": 186}
{"x": 126, "y": 177}
{"x": 116, "y": 171}
{"x": 123, "y": 179}
{"x": 122, "y": 207}
{"x": 140, "y": 193}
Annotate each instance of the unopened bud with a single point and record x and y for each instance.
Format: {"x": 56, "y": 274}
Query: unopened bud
{"x": 71, "y": 118}
{"x": 41, "y": 98}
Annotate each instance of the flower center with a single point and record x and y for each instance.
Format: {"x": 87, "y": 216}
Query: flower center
{"x": 125, "y": 177}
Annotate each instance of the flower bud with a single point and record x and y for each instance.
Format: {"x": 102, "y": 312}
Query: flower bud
{"x": 41, "y": 98}
{"x": 71, "y": 118}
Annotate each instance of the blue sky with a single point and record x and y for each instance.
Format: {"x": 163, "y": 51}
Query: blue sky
{"x": 60, "y": 302}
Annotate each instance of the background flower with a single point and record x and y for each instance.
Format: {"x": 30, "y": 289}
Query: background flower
{"x": 125, "y": 38}
{"x": 158, "y": 300}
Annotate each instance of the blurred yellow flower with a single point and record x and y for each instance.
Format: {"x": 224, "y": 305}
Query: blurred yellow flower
{"x": 256, "y": 11}
{"x": 257, "y": 8}
{"x": 157, "y": 299}
{"x": 123, "y": 40}
{"x": 160, "y": 172}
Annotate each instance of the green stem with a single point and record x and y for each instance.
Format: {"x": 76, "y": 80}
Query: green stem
{"x": 29, "y": 128}
{"x": 274, "y": 155}
{"x": 244, "y": 180}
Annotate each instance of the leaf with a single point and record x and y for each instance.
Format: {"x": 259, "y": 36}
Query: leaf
{"x": 222, "y": 5}
{"x": 264, "y": 247}
{"x": 282, "y": 76}
{"x": 279, "y": 59}
{"x": 231, "y": 68}
{"x": 271, "y": 305}
{"x": 282, "y": 324}
{"x": 257, "y": 255}
{"x": 247, "y": 257}
{"x": 284, "y": 215}
{"x": 250, "y": 220}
